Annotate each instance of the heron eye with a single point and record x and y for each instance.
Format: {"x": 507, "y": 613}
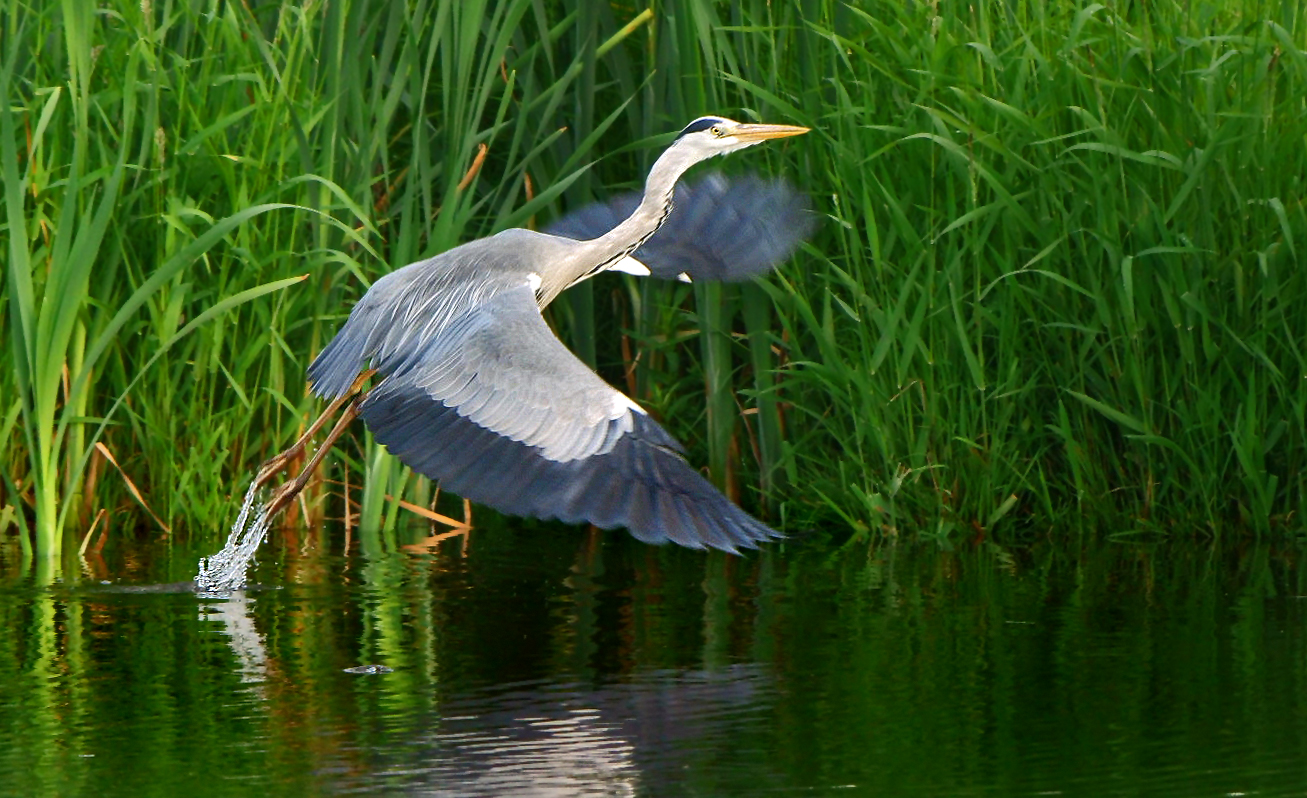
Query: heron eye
{"x": 716, "y": 130}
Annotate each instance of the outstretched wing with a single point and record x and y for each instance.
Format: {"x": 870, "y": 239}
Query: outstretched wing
{"x": 720, "y": 228}
{"x": 500, "y": 412}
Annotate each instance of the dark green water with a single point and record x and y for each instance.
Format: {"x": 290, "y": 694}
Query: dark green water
{"x": 557, "y": 663}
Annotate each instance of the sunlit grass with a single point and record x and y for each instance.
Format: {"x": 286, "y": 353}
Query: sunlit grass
{"x": 1057, "y": 280}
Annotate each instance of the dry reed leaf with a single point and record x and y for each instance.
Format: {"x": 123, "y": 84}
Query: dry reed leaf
{"x": 480, "y": 158}
{"x": 103, "y": 515}
{"x": 131, "y": 486}
{"x": 430, "y": 515}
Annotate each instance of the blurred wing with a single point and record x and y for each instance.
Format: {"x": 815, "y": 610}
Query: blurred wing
{"x": 720, "y": 229}
{"x": 502, "y": 413}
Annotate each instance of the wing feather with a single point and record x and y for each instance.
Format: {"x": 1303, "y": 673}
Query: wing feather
{"x": 476, "y": 392}
{"x": 526, "y": 428}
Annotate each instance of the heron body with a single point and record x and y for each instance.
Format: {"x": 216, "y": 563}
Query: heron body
{"x": 475, "y": 391}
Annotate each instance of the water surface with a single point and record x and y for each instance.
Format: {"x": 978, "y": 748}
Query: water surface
{"x": 553, "y": 662}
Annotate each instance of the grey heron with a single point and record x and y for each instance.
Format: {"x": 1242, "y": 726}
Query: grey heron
{"x": 475, "y": 391}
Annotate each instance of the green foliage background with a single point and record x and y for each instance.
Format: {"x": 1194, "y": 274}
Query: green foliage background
{"x": 1057, "y": 283}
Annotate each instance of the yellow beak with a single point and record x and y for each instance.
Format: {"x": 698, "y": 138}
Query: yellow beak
{"x": 763, "y": 132}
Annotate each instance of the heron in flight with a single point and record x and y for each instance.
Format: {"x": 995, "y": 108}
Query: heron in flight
{"x": 475, "y": 391}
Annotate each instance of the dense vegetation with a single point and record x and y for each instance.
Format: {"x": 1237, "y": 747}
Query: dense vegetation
{"x": 1057, "y": 284}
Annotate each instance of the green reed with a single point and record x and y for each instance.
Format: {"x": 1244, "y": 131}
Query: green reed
{"x": 1056, "y": 275}
{"x": 1064, "y": 269}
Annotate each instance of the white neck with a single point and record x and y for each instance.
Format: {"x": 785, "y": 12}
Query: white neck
{"x": 601, "y": 253}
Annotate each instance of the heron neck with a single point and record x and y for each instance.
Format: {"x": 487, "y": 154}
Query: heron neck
{"x": 635, "y": 229}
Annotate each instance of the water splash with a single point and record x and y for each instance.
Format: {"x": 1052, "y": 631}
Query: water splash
{"x": 227, "y": 570}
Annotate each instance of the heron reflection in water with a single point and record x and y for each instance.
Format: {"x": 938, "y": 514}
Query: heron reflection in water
{"x": 474, "y": 390}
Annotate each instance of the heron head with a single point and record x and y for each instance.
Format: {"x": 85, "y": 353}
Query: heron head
{"x": 714, "y": 135}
